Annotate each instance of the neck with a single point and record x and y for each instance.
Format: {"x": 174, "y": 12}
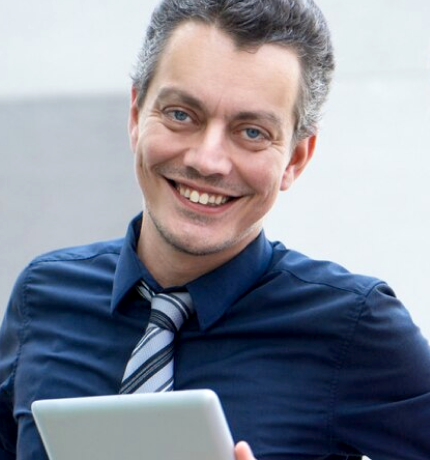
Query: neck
{"x": 170, "y": 266}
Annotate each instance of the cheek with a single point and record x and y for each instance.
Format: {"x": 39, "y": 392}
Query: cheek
{"x": 264, "y": 176}
{"x": 145, "y": 156}
{"x": 138, "y": 169}
{"x": 158, "y": 144}
{"x": 143, "y": 161}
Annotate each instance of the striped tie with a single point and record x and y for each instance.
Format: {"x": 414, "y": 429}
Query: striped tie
{"x": 150, "y": 367}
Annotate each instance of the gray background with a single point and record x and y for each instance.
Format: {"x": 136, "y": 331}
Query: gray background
{"x": 66, "y": 171}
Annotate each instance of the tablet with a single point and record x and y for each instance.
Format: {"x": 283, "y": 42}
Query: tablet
{"x": 179, "y": 425}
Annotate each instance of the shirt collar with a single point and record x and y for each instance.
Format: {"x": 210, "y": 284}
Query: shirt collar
{"x": 216, "y": 291}
{"x": 212, "y": 293}
{"x": 129, "y": 269}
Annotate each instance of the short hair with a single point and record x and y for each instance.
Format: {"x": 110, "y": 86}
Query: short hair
{"x": 296, "y": 24}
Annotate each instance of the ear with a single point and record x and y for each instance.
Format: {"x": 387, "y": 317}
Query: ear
{"x": 133, "y": 120}
{"x": 300, "y": 157}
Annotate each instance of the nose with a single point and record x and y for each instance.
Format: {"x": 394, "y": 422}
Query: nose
{"x": 211, "y": 153}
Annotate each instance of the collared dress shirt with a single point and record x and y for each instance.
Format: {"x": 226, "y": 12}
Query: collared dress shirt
{"x": 309, "y": 361}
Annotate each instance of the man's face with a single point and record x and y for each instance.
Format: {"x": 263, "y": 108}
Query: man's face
{"x": 213, "y": 141}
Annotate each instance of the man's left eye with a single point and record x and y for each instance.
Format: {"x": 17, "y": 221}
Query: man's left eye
{"x": 253, "y": 133}
{"x": 179, "y": 115}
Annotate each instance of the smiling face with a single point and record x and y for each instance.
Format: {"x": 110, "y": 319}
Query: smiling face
{"x": 213, "y": 142}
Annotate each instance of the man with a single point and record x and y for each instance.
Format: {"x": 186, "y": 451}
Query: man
{"x": 309, "y": 360}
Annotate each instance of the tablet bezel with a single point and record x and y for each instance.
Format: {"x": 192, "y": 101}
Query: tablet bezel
{"x": 180, "y": 425}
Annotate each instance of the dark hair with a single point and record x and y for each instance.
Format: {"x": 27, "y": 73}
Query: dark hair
{"x": 296, "y": 24}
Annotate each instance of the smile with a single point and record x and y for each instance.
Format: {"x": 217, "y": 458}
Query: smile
{"x": 204, "y": 198}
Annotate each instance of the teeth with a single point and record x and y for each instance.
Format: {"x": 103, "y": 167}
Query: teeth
{"x": 204, "y": 198}
{"x": 194, "y": 197}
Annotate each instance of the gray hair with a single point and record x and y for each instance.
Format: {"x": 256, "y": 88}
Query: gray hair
{"x": 296, "y": 24}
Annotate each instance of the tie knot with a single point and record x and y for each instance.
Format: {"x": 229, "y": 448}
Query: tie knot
{"x": 168, "y": 311}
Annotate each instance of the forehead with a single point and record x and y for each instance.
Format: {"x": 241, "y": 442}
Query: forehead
{"x": 205, "y": 61}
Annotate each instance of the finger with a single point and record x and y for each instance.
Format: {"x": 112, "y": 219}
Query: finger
{"x": 243, "y": 451}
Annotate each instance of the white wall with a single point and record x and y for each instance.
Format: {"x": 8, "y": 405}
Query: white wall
{"x": 364, "y": 201}
{"x": 52, "y": 47}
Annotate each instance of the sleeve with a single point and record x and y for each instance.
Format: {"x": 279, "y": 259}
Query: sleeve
{"x": 19, "y": 438}
{"x": 382, "y": 396}
{"x": 10, "y": 345}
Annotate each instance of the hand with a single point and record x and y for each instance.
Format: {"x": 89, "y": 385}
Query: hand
{"x": 243, "y": 451}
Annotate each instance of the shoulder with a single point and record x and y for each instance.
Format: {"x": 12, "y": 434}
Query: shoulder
{"x": 92, "y": 255}
{"x": 79, "y": 266}
{"x": 80, "y": 253}
{"x": 322, "y": 274}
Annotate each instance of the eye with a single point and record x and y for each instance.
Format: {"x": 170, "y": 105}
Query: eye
{"x": 177, "y": 115}
{"x": 253, "y": 133}
{"x": 253, "y": 137}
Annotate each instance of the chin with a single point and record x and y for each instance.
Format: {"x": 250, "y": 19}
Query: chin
{"x": 187, "y": 244}
{"x": 206, "y": 245}
{"x": 200, "y": 239}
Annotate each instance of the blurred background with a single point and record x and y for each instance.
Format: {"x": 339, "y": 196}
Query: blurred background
{"x": 66, "y": 170}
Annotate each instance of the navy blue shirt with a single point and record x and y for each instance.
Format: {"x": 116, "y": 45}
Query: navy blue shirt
{"x": 309, "y": 360}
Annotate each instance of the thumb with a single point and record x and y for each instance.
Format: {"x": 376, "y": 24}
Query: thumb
{"x": 243, "y": 451}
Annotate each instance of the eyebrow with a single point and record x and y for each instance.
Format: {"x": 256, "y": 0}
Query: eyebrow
{"x": 187, "y": 98}
{"x": 181, "y": 95}
{"x": 270, "y": 117}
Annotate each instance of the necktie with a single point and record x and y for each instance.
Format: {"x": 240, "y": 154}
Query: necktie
{"x": 150, "y": 367}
